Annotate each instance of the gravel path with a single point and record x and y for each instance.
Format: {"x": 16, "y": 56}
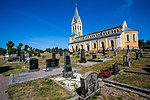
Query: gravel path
{"x": 3, "y": 87}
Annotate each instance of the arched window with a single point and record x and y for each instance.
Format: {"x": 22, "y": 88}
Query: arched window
{"x": 134, "y": 38}
{"x": 100, "y": 44}
{"x": 94, "y": 45}
{"x": 127, "y": 38}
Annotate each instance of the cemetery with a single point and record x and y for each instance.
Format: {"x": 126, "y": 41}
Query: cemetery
{"x": 40, "y": 59}
{"x": 72, "y": 77}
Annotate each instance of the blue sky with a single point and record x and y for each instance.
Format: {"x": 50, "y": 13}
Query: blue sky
{"x": 47, "y": 23}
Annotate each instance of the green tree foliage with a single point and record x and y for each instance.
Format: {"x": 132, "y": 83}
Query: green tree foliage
{"x": 2, "y": 51}
{"x": 10, "y": 44}
{"x": 148, "y": 42}
{"x": 26, "y": 47}
{"x": 141, "y": 43}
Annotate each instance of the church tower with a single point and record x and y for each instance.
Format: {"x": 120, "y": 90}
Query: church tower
{"x": 76, "y": 26}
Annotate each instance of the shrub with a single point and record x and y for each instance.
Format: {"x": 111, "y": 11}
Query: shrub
{"x": 10, "y": 59}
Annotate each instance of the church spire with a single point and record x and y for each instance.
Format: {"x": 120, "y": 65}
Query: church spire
{"x": 76, "y": 14}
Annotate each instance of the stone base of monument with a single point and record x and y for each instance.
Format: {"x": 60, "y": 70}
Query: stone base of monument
{"x": 100, "y": 60}
{"x": 67, "y": 74}
{"x": 33, "y": 70}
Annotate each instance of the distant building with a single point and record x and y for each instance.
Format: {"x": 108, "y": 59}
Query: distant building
{"x": 119, "y": 36}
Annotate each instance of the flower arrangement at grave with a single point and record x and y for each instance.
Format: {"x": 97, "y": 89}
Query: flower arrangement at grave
{"x": 105, "y": 73}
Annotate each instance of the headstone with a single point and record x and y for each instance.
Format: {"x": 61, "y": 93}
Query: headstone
{"x": 126, "y": 61}
{"x": 39, "y": 54}
{"x": 89, "y": 84}
{"x": 30, "y": 54}
{"x": 52, "y": 63}
{"x": 53, "y": 54}
{"x": 34, "y": 64}
{"x": 94, "y": 56}
{"x": 115, "y": 68}
{"x": 137, "y": 55}
{"x": 141, "y": 55}
{"x": 112, "y": 45}
{"x": 83, "y": 59}
{"x": 60, "y": 53}
{"x": 67, "y": 72}
{"x": 22, "y": 56}
{"x": 103, "y": 49}
{"x": 115, "y": 53}
{"x": 128, "y": 49}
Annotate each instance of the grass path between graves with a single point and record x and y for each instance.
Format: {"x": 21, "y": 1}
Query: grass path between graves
{"x": 43, "y": 89}
{"x": 134, "y": 79}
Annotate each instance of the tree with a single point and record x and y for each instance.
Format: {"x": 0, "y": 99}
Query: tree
{"x": 148, "y": 42}
{"x": 2, "y": 51}
{"x": 10, "y": 44}
{"x": 26, "y": 47}
{"x": 141, "y": 43}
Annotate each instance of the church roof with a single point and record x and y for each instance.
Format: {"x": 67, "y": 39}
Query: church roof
{"x": 129, "y": 29}
{"x": 76, "y": 14}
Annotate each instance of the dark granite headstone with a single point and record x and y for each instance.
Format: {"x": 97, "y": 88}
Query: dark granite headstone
{"x": 141, "y": 55}
{"x": 60, "y": 53}
{"x": 53, "y": 54}
{"x": 89, "y": 84}
{"x": 128, "y": 48}
{"x": 112, "y": 45}
{"x": 115, "y": 53}
{"x": 94, "y": 56}
{"x": 34, "y": 64}
{"x": 39, "y": 54}
{"x": 115, "y": 68}
{"x": 22, "y": 56}
{"x": 30, "y": 54}
{"x": 103, "y": 48}
{"x": 83, "y": 59}
{"x": 67, "y": 72}
{"x": 51, "y": 63}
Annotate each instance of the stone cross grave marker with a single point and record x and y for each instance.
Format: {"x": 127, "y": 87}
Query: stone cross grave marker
{"x": 128, "y": 49}
{"x": 83, "y": 59}
{"x": 89, "y": 84}
{"x": 34, "y": 64}
{"x": 67, "y": 72}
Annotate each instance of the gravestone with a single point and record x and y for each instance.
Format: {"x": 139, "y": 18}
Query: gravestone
{"x": 141, "y": 55}
{"x": 52, "y": 63}
{"x": 115, "y": 68}
{"x": 128, "y": 49}
{"x": 137, "y": 55}
{"x": 22, "y": 56}
{"x": 34, "y": 64}
{"x": 53, "y": 54}
{"x": 67, "y": 72}
{"x": 82, "y": 59}
{"x": 94, "y": 56}
{"x": 89, "y": 84}
{"x": 126, "y": 61}
{"x": 39, "y": 54}
{"x": 103, "y": 49}
{"x": 60, "y": 53}
{"x": 112, "y": 45}
{"x": 30, "y": 54}
{"x": 115, "y": 53}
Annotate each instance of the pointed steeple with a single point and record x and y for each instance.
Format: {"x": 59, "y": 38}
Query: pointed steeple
{"x": 76, "y": 14}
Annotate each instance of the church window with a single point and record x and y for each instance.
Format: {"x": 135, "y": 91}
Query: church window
{"x": 127, "y": 38}
{"x": 134, "y": 37}
{"x": 114, "y": 31}
{"x": 111, "y": 31}
{"x": 94, "y": 45}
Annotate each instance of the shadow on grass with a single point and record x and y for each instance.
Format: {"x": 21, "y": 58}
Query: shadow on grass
{"x": 147, "y": 69}
{"x": 5, "y": 69}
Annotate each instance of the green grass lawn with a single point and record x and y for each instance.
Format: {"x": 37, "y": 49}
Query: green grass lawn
{"x": 139, "y": 80}
{"x": 44, "y": 89}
